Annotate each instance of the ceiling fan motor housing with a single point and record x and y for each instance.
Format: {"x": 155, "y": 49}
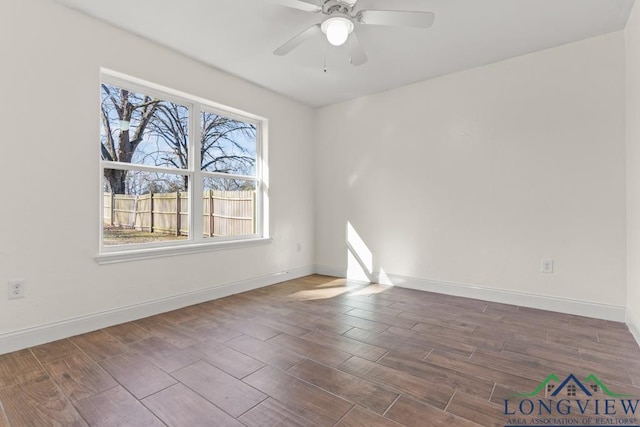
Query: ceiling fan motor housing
{"x": 331, "y": 7}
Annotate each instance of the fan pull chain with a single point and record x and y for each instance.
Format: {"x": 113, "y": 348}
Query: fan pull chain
{"x": 350, "y": 50}
{"x": 325, "y": 54}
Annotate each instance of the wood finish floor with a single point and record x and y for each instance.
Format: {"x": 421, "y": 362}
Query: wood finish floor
{"x": 316, "y": 351}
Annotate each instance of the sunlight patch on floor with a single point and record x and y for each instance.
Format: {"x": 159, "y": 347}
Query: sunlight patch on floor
{"x": 312, "y": 294}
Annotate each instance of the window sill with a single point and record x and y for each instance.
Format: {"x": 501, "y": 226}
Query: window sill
{"x": 167, "y": 251}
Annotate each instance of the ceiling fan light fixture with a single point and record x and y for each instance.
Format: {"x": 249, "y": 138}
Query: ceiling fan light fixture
{"x": 337, "y": 29}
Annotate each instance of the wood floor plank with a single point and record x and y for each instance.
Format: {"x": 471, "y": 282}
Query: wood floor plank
{"x": 462, "y": 364}
{"x": 128, "y": 333}
{"x": 300, "y": 397}
{"x": 140, "y": 377}
{"x": 361, "y": 323}
{"x": 218, "y": 333}
{"x": 430, "y": 392}
{"x": 4, "y": 421}
{"x": 496, "y": 332}
{"x": 253, "y": 329}
{"x": 226, "y": 392}
{"x": 173, "y": 334}
{"x": 163, "y": 354}
{"x": 310, "y": 321}
{"x": 347, "y": 386}
{"x": 543, "y": 350}
{"x": 425, "y": 322}
{"x": 283, "y": 327}
{"x": 409, "y": 412}
{"x": 56, "y": 350}
{"x": 446, "y": 342}
{"x": 512, "y": 363}
{"x": 369, "y": 306}
{"x": 177, "y": 406}
{"x": 583, "y": 368}
{"x": 19, "y": 367}
{"x": 445, "y": 337}
{"x": 346, "y": 344}
{"x": 38, "y": 403}
{"x": 309, "y": 349}
{"x": 359, "y": 417}
{"x": 481, "y": 411}
{"x": 454, "y": 379}
{"x": 265, "y": 352}
{"x": 99, "y": 345}
{"x": 608, "y": 359}
{"x": 389, "y": 342}
{"x": 116, "y": 407}
{"x": 382, "y": 318}
{"x": 179, "y": 316}
{"x": 225, "y": 358}
{"x": 271, "y": 413}
{"x": 79, "y": 377}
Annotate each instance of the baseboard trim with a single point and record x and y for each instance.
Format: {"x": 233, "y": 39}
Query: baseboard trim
{"x": 523, "y": 299}
{"x": 42, "y": 334}
{"x": 327, "y": 270}
{"x": 634, "y": 325}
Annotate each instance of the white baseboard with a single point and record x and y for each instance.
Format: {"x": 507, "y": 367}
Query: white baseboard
{"x": 42, "y": 334}
{"x": 326, "y": 270}
{"x": 634, "y": 325}
{"x": 542, "y": 302}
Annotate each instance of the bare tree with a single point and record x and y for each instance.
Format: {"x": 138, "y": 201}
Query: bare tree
{"x": 223, "y": 141}
{"x": 221, "y": 147}
{"x": 121, "y": 112}
{"x": 129, "y": 119}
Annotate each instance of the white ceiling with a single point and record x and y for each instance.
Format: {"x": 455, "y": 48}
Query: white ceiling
{"x": 239, "y": 36}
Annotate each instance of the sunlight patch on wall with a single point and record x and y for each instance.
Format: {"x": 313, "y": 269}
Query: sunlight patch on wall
{"x": 359, "y": 256}
{"x": 383, "y": 278}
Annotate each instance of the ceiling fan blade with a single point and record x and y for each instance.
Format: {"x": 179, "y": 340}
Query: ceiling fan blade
{"x": 358, "y": 56}
{"x": 307, "y": 34}
{"x": 298, "y": 4}
{"x": 396, "y": 18}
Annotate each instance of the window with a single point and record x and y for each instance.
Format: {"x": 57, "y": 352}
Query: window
{"x": 571, "y": 390}
{"x": 177, "y": 170}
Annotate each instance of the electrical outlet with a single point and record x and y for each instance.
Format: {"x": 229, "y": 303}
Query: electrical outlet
{"x": 17, "y": 288}
{"x": 547, "y": 266}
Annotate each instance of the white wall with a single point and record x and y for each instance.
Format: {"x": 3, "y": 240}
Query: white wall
{"x": 632, "y": 34}
{"x": 473, "y": 178}
{"x": 49, "y": 81}
{"x": 470, "y": 178}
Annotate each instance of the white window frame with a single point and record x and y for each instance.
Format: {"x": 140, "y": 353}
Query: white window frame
{"x": 196, "y": 241}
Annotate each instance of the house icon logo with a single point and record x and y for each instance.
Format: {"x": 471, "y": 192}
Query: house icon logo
{"x": 572, "y": 387}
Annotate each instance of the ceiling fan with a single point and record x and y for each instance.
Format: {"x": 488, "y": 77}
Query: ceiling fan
{"x": 339, "y": 22}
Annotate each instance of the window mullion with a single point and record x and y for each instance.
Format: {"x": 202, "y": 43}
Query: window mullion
{"x": 197, "y": 186}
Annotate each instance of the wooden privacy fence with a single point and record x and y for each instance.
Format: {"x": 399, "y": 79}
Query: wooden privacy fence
{"x": 225, "y": 213}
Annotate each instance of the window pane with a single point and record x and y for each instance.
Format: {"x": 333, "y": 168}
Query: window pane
{"x": 151, "y": 207}
{"x": 140, "y": 129}
{"x": 228, "y": 145}
{"x": 229, "y": 207}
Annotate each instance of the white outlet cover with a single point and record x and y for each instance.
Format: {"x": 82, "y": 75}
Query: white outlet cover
{"x": 547, "y": 266}
{"x": 16, "y": 288}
